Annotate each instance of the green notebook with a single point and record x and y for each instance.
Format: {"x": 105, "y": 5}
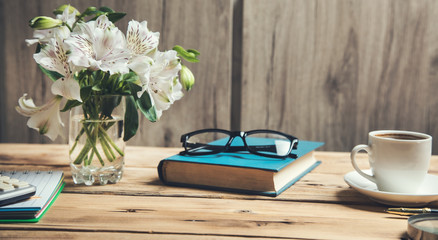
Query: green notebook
{"x": 49, "y": 185}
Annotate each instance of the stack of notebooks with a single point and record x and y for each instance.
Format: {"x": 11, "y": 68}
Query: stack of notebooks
{"x": 48, "y": 186}
{"x": 239, "y": 172}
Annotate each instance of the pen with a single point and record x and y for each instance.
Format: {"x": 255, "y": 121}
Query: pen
{"x": 410, "y": 211}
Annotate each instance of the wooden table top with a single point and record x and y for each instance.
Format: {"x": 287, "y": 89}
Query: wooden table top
{"x": 319, "y": 206}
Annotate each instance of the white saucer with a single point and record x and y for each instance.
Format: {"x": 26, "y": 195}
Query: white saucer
{"x": 428, "y": 192}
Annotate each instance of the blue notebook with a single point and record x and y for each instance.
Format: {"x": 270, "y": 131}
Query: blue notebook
{"x": 239, "y": 172}
{"x": 48, "y": 186}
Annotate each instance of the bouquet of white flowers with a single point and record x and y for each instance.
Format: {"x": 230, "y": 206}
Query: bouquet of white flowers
{"x": 87, "y": 57}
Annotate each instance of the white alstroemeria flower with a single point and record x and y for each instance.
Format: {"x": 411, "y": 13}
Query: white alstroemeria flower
{"x": 43, "y": 36}
{"x": 99, "y": 45}
{"x": 141, "y": 65}
{"x": 166, "y": 64}
{"x": 164, "y": 86}
{"x": 140, "y": 40}
{"x": 53, "y": 57}
{"x": 68, "y": 16}
{"x": 45, "y": 119}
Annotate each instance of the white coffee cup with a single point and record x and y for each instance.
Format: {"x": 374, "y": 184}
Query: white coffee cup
{"x": 399, "y": 160}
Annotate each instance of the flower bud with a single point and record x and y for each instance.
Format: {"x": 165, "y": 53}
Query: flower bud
{"x": 187, "y": 78}
{"x": 44, "y": 22}
{"x": 62, "y": 8}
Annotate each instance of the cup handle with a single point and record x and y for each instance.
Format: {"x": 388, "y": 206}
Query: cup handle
{"x": 355, "y": 150}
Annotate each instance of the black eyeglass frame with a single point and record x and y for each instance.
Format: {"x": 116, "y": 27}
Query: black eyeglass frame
{"x": 233, "y": 134}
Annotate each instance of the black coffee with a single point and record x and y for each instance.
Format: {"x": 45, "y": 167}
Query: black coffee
{"x": 400, "y": 136}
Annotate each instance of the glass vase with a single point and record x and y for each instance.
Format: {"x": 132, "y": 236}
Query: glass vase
{"x": 96, "y": 146}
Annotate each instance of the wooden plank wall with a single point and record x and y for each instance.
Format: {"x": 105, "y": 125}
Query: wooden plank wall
{"x": 321, "y": 70}
{"x": 335, "y": 70}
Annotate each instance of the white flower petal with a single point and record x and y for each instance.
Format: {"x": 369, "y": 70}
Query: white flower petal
{"x": 54, "y": 57}
{"x": 99, "y": 46}
{"x": 68, "y": 88}
{"x": 26, "y": 106}
{"x": 44, "y": 36}
{"x": 81, "y": 50}
{"x": 45, "y": 119}
{"x": 103, "y": 22}
{"x": 68, "y": 17}
{"x": 140, "y": 40}
{"x": 166, "y": 65}
{"x": 115, "y": 61}
{"x": 30, "y": 42}
{"x": 164, "y": 86}
{"x": 141, "y": 66}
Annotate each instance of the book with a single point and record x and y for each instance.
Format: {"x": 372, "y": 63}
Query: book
{"x": 49, "y": 185}
{"x": 239, "y": 172}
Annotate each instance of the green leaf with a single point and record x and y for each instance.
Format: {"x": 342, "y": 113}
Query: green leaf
{"x": 71, "y": 104}
{"x": 82, "y": 77}
{"x": 38, "y": 48}
{"x": 111, "y": 83}
{"x": 131, "y": 118}
{"x": 97, "y": 13}
{"x": 146, "y": 107}
{"x": 96, "y": 88}
{"x": 89, "y": 11}
{"x": 131, "y": 77}
{"x": 134, "y": 89}
{"x": 51, "y": 74}
{"x": 86, "y": 93}
{"x": 189, "y": 55}
{"x": 110, "y": 13}
{"x": 106, "y": 9}
{"x": 114, "y": 17}
{"x": 108, "y": 104}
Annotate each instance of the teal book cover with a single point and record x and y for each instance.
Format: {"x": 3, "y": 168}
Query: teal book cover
{"x": 244, "y": 160}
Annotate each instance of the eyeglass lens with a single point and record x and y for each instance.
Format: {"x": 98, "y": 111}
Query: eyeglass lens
{"x": 260, "y": 142}
{"x": 207, "y": 142}
{"x": 269, "y": 143}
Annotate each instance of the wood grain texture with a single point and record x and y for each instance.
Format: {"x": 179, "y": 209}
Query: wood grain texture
{"x": 319, "y": 206}
{"x": 192, "y": 24}
{"x": 334, "y": 70}
{"x": 215, "y": 217}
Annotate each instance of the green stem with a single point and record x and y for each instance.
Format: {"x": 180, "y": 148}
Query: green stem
{"x": 73, "y": 147}
{"x": 68, "y": 26}
{"x": 113, "y": 155}
{"x": 78, "y": 160}
{"x": 90, "y": 159}
{"x": 86, "y": 160}
{"x": 105, "y": 135}
{"x": 106, "y": 149}
{"x": 83, "y": 153}
{"x": 93, "y": 145}
{"x": 77, "y": 140}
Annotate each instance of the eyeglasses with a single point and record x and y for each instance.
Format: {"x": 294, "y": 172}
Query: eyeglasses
{"x": 265, "y": 143}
